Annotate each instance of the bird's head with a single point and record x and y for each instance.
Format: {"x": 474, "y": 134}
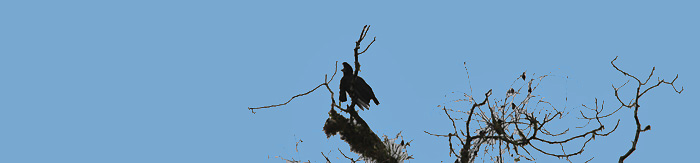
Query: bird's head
{"x": 346, "y": 68}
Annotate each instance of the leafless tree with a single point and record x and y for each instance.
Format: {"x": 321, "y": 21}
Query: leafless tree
{"x": 511, "y": 125}
{"x": 517, "y": 123}
{"x": 354, "y": 130}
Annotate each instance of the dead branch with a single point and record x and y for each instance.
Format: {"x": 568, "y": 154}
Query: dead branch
{"x": 506, "y": 125}
{"x": 325, "y": 83}
{"x": 635, "y": 102}
{"x": 292, "y": 160}
{"x": 324, "y": 156}
{"x": 349, "y": 158}
{"x": 354, "y": 130}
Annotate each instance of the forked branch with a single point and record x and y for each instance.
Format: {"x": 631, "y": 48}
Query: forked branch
{"x": 509, "y": 125}
{"x": 635, "y": 103}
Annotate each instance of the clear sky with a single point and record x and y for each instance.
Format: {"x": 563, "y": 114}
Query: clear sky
{"x": 170, "y": 81}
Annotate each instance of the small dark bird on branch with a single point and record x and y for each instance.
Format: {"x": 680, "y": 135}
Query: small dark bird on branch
{"x": 358, "y": 90}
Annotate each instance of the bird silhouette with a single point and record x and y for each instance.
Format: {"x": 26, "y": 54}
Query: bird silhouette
{"x": 360, "y": 92}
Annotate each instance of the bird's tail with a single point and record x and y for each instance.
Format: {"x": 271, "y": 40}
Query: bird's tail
{"x": 363, "y": 105}
{"x": 376, "y": 102}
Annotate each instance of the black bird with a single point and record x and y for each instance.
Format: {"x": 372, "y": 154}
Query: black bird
{"x": 359, "y": 91}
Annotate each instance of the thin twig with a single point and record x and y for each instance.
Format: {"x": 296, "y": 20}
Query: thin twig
{"x": 303, "y": 94}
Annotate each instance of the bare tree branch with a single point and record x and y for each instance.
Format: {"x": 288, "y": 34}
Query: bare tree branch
{"x": 292, "y": 160}
{"x": 349, "y": 158}
{"x": 635, "y": 103}
{"x": 326, "y": 82}
{"x": 514, "y": 125}
{"x": 324, "y": 156}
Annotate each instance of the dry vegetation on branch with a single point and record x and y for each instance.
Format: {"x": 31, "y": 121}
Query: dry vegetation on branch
{"x": 511, "y": 125}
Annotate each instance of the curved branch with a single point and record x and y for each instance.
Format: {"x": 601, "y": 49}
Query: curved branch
{"x": 635, "y": 104}
{"x": 303, "y": 94}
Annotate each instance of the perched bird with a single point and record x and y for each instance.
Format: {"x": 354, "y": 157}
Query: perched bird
{"x": 358, "y": 90}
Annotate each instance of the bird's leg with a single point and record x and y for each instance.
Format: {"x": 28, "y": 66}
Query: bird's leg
{"x": 350, "y": 111}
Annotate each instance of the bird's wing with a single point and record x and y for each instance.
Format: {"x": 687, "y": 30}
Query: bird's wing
{"x": 364, "y": 91}
{"x": 344, "y": 84}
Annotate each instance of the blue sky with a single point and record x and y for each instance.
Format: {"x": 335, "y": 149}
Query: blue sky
{"x": 171, "y": 81}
